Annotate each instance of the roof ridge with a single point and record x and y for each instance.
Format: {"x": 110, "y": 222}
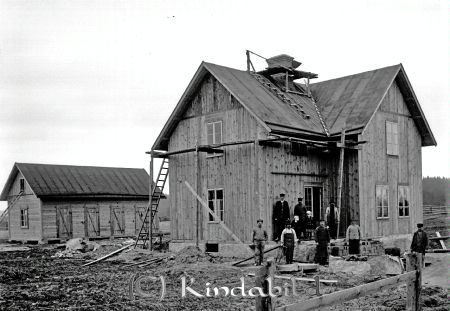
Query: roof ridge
{"x": 73, "y": 165}
{"x": 356, "y": 74}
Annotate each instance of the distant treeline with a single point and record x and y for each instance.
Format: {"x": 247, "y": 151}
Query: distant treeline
{"x": 436, "y": 191}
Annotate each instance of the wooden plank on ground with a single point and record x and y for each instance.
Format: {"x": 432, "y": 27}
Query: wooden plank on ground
{"x": 251, "y": 257}
{"x": 107, "y": 256}
{"x": 440, "y": 241}
{"x": 285, "y": 277}
{"x": 348, "y": 294}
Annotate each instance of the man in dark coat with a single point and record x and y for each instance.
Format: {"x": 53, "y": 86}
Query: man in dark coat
{"x": 281, "y": 214}
{"x": 322, "y": 239}
{"x": 419, "y": 242}
{"x": 300, "y": 211}
{"x": 332, "y": 215}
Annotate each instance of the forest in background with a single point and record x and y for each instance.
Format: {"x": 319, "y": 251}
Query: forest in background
{"x": 436, "y": 191}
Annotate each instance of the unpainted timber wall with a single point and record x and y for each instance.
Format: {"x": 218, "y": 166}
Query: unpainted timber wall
{"x": 53, "y": 228}
{"x": 27, "y": 200}
{"x": 251, "y": 175}
{"x": 378, "y": 168}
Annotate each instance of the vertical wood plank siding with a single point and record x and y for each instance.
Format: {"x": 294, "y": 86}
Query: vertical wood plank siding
{"x": 245, "y": 172}
{"x": 378, "y": 168}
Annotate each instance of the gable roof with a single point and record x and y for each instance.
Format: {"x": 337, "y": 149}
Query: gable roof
{"x": 51, "y": 181}
{"x": 268, "y": 109}
{"x": 349, "y": 101}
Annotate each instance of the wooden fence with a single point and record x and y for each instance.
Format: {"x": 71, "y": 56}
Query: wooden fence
{"x": 435, "y": 209}
{"x": 412, "y": 279}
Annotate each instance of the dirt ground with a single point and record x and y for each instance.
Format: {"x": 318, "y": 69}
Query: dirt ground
{"x": 34, "y": 280}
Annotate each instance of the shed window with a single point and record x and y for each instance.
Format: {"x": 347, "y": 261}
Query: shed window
{"x": 382, "y": 201}
{"x": 22, "y": 184}
{"x": 215, "y": 203}
{"x": 403, "y": 201}
{"x": 391, "y": 138}
{"x": 24, "y": 218}
{"x": 214, "y": 134}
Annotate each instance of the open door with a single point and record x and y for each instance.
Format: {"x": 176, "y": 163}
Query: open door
{"x": 313, "y": 202}
{"x": 64, "y": 222}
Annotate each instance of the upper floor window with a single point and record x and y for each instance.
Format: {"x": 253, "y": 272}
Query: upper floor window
{"x": 24, "y": 218}
{"x": 391, "y": 138}
{"x": 214, "y": 135}
{"x": 22, "y": 184}
{"x": 382, "y": 201}
{"x": 403, "y": 201}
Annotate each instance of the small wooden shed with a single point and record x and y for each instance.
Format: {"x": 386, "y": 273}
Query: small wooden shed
{"x": 240, "y": 138}
{"x": 47, "y": 202}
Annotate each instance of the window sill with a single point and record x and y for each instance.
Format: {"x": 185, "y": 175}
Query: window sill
{"x": 383, "y": 218}
{"x": 214, "y": 155}
{"x": 214, "y": 222}
{"x": 392, "y": 155}
{"x": 403, "y": 216}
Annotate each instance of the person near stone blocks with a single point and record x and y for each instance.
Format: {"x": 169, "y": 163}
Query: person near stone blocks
{"x": 420, "y": 242}
{"x": 353, "y": 237}
{"x": 322, "y": 240}
{"x": 288, "y": 240}
{"x": 332, "y": 216}
{"x": 296, "y": 225}
{"x": 259, "y": 241}
{"x": 300, "y": 211}
{"x": 280, "y": 214}
{"x": 309, "y": 225}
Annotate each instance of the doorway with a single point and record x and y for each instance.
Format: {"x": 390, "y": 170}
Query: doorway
{"x": 313, "y": 201}
{"x": 64, "y": 222}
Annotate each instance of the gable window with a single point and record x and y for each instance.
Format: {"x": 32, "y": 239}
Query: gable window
{"x": 22, "y": 185}
{"x": 391, "y": 138}
{"x": 403, "y": 201}
{"x": 382, "y": 201}
{"x": 214, "y": 134}
{"x": 24, "y": 218}
{"x": 215, "y": 203}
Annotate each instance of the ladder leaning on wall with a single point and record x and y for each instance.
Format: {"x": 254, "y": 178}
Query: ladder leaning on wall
{"x": 148, "y": 228}
{"x": 10, "y": 204}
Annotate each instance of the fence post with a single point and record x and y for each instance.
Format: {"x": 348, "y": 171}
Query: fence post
{"x": 267, "y": 270}
{"x": 414, "y": 262}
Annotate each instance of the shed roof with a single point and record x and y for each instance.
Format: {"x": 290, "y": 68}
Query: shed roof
{"x": 348, "y": 102}
{"x": 51, "y": 181}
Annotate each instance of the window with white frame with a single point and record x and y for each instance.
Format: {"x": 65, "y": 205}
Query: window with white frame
{"x": 215, "y": 203}
{"x": 24, "y": 218}
{"x": 403, "y": 201}
{"x": 382, "y": 201}
{"x": 214, "y": 134}
{"x": 391, "y": 138}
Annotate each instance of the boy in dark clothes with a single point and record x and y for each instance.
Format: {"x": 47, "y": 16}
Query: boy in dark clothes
{"x": 288, "y": 240}
{"x": 322, "y": 239}
{"x": 420, "y": 242}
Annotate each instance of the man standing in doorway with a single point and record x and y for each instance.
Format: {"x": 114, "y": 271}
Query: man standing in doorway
{"x": 332, "y": 215}
{"x": 281, "y": 214}
{"x": 300, "y": 211}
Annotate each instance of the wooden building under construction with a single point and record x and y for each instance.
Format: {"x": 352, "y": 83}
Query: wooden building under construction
{"x": 58, "y": 202}
{"x": 240, "y": 138}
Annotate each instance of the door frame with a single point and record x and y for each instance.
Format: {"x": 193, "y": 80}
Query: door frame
{"x": 114, "y": 220}
{"x": 67, "y": 222}
{"x": 312, "y": 186}
{"x": 89, "y": 221}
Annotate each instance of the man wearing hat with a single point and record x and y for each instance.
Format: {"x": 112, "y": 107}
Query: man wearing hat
{"x": 259, "y": 239}
{"x": 300, "y": 211}
{"x": 280, "y": 214}
{"x": 420, "y": 241}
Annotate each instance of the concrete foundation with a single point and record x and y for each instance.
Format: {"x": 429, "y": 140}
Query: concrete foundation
{"x": 225, "y": 249}
{"x": 402, "y": 241}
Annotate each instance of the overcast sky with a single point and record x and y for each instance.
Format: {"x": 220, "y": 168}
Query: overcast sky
{"x": 93, "y": 82}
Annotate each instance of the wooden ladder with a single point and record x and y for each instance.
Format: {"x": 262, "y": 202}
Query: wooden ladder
{"x": 148, "y": 230}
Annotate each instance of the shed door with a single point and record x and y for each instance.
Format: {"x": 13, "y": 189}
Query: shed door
{"x": 140, "y": 213}
{"x": 64, "y": 222}
{"x": 92, "y": 221}
{"x": 117, "y": 221}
